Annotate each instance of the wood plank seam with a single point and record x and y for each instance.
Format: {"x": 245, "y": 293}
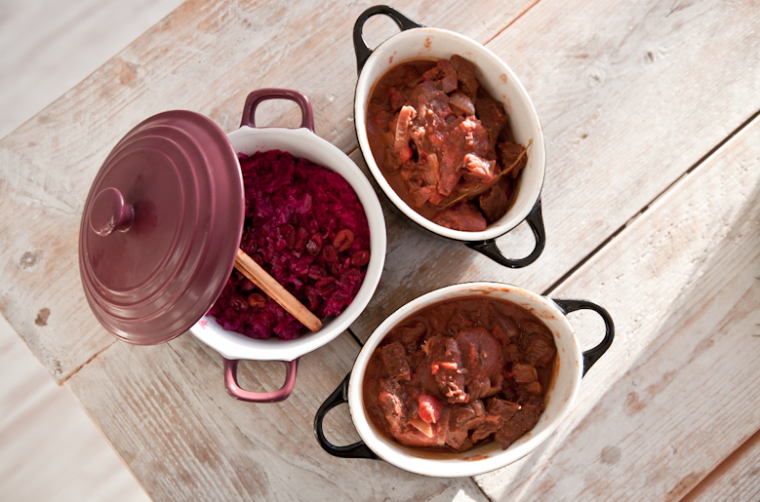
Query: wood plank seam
{"x": 725, "y": 463}
{"x": 76, "y": 370}
{"x": 521, "y": 14}
{"x": 731, "y": 460}
{"x": 353, "y": 335}
{"x": 643, "y": 210}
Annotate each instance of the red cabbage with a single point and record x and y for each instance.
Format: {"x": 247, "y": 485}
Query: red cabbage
{"x": 294, "y": 209}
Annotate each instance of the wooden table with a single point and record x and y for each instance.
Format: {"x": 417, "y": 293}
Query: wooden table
{"x": 652, "y": 209}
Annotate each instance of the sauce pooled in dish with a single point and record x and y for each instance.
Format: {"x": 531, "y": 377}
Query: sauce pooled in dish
{"x": 460, "y": 373}
{"x": 444, "y": 144}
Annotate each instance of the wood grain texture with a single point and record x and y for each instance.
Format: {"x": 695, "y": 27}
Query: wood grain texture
{"x": 628, "y": 103}
{"x": 49, "y": 449}
{"x": 680, "y": 388}
{"x": 736, "y": 478}
{"x": 205, "y": 57}
{"x": 49, "y": 47}
{"x": 166, "y": 411}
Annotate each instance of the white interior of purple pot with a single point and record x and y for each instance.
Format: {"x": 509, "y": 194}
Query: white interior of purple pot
{"x": 487, "y": 457}
{"x": 497, "y": 78}
{"x": 302, "y": 143}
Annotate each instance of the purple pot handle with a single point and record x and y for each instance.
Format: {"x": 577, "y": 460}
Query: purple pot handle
{"x": 256, "y": 97}
{"x": 230, "y": 380}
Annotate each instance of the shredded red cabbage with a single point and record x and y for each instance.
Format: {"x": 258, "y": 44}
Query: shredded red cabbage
{"x": 306, "y": 227}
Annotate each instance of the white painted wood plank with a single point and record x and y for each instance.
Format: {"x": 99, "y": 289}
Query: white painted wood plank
{"x": 49, "y": 448}
{"x": 737, "y": 478}
{"x": 48, "y": 47}
{"x": 680, "y": 388}
{"x": 629, "y": 97}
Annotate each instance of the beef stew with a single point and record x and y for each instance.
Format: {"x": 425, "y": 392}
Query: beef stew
{"x": 443, "y": 143}
{"x": 460, "y": 373}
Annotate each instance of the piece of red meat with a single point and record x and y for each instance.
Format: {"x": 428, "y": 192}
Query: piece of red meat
{"x": 499, "y": 414}
{"x": 393, "y": 356}
{"x": 463, "y": 216}
{"x": 476, "y": 138}
{"x": 392, "y": 405}
{"x": 462, "y": 419}
{"x": 481, "y": 356}
{"x": 443, "y": 74}
{"x": 440, "y": 370}
{"x": 466, "y": 75}
{"x": 492, "y": 116}
{"x": 508, "y": 153}
{"x": 523, "y": 420}
{"x": 411, "y": 333}
{"x": 494, "y": 202}
{"x": 524, "y": 373}
{"x": 536, "y": 344}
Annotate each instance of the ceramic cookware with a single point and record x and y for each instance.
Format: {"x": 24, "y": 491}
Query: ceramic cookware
{"x": 416, "y": 42}
{"x": 163, "y": 222}
{"x": 560, "y": 393}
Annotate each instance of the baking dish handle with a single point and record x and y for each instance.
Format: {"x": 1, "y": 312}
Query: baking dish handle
{"x": 592, "y": 355}
{"x": 258, "y": 96}
{"x": 536, "y": 221}
{"x": 356, "y": 450}
{"x": 230, "y": 381}
{"x": 360, "y": 46}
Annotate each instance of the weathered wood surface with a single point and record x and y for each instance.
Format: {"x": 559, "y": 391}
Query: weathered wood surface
{"x": 680, "y": 387}
{"x": 630, "y": 99}
{"x": 737, "y": 478}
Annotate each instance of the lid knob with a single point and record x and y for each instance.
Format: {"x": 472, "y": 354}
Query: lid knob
{"x": 109, "y": 212}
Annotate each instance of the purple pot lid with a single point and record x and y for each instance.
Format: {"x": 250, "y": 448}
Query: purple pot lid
{"x": 161, "y": 227}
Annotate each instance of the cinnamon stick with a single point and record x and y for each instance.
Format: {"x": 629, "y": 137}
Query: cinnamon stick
{"x": 274, "y": 289}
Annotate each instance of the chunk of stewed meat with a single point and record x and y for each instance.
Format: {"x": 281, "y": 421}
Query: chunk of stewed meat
{"x": 494, "y": 203}
{"x": 536, "y": 344}
{"x": 499, "y": 413}
{"x": 444, "y": 75}
{"x": 523, "y": 420}
{"x": 463, "y": 216}
{"x": 491, "y": 115}
{"x": 524, "y": 373}
{"x": 465, "y": 75}
{"x": 392, "y": 405}
{"x": 481, "y": 356}
{"x": 441, "y": 370}
{"x": 462, "y": 420}
{"x": 394, "y": 359}
{"x": 511, "y": 158}
{"x": 411, "y": 334}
